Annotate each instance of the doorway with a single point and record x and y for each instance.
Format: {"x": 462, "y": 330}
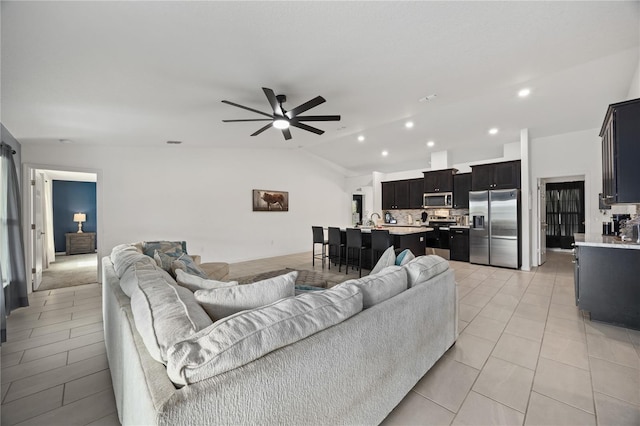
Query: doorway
{"x": 60, "y": 204}
{"x": 356, "y": 209}
{"x": 565, "y": 213}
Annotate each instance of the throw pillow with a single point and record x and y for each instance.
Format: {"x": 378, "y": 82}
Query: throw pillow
{"x": 404, "y": 257}
{"x": 388, "y": 258}
{"x": 239, "y": 339}
{"x": 168, "y": 247}
{"x": 379, "y": 287}
{"x": 195, "y": 283}
{"x": 222, "y": 302}
{"x": 423, "y": 268}
{"x": 164, "y": 260}
{"x": 186, "y": 263}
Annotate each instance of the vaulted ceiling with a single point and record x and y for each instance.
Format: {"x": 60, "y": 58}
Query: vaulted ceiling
{"x": 142, "y": 73}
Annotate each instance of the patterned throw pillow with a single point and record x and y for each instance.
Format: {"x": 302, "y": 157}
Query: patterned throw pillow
{"x": 186, "y": 263}
{"x": 172, "y": 248}
{"x": 164, "y": 260}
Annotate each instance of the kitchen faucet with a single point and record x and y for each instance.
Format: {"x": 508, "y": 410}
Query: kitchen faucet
{"x": 371, "y": 222}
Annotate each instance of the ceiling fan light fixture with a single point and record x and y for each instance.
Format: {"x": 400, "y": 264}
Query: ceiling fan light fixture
{"x": 281, "y": 124}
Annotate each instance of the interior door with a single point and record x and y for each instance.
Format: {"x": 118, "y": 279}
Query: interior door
{"x": 542, "y": 222}
{"x": 37, "y": 229}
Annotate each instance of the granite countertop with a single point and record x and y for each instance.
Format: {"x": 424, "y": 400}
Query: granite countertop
{"x": 397, "y": 230}
{"x": 460, "y": 226}
{"x": 608, "y": 241}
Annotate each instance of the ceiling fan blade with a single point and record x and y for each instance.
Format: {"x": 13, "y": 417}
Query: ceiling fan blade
{"x": 273, "y": 101}
{"x": 317, "y": 118}
{"x": 247, "y": 108}
{"x": 286, "y": 133}
{"x": 306, "y": 106}
{"x": 307, "y": 128}
{"x": 256, "y": 133}
{"x": 248, "y": 119}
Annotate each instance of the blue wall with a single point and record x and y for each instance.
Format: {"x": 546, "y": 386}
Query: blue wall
{"x": 69, "y": 198}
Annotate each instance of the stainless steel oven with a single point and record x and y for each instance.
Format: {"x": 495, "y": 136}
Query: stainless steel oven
{"x": 438, "y": 200}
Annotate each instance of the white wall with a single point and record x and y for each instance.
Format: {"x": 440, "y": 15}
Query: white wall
{"x": 203, "y": 196}
{"x": 569, "y": 155}
{"x": 634, "y": 89}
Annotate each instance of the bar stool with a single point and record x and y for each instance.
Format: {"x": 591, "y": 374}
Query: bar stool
{"x": 335, "y": 246}
{"x": 354, "y": 242}
{"x": 318, "y": 238}
{"x": 380, "y": 241}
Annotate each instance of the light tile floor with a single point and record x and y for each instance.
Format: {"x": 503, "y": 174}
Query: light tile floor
{"x": 525, "y": 356}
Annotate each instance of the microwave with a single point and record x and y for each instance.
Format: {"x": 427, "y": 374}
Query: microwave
{"x": 438, "y": 200}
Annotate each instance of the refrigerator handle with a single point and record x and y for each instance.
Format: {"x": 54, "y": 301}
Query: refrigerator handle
{"x": 478, "y": 222}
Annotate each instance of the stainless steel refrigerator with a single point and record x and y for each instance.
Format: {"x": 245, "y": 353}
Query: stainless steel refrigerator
{"x": 494, "y": 231}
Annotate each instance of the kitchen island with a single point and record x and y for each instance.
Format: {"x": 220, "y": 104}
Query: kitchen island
{"x": 607, "y": 279}
{"x": 402, "y": 237}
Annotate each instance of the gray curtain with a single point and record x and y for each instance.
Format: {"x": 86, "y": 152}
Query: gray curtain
{"x": 11, "y": 240}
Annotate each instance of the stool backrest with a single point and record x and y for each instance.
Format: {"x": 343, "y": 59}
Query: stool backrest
{"x": 380, "y": 239}
{"x": 354, "y": 237}
{"x": 335, "y": 238}
{"x": 318, "y": 234}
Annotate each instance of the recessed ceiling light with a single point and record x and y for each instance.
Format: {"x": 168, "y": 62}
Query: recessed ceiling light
{"x": 493, "y": 131}
{"x": 174, "y": 142}
{"x": 385, "y": 153}
{"x": 64, "y": 141}
{"x": 360, "y": 138}
{"x": 408, "y": 124}
{"x": 524, "y": 93}
{"x": 430, "y": 144}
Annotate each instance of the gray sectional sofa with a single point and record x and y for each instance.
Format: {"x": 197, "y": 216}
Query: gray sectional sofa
{"x": 345, "y": 355}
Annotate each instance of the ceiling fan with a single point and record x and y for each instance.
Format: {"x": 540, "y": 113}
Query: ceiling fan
{"x": 282, "y": 119}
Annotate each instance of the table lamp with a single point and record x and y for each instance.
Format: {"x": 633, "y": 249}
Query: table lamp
{"x": 79, "y": 217}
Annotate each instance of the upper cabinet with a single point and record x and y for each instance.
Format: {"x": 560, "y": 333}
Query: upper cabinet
{"x": 416, "y": 193}
{"x": 505, "y": 175}
{"x": 439, "y": 180}
{"x": 402, "y": 194}
{"x": 620, "y": 152}
{"x": 461, "y": 188}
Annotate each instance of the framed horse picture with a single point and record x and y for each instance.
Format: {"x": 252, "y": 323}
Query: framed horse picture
{"x": 270, "y": 201}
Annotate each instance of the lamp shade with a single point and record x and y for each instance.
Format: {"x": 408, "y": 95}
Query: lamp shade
{"x": 79, "y": 217}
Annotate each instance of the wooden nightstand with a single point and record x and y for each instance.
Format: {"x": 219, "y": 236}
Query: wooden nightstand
{"x": 78, "y": 243}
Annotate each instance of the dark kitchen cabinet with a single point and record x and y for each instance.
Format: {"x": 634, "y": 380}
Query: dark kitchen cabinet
{"x": 439, "y": 180}
{"x": 461, "y": 188}
{"x": 459, "y": 244}
{"x": 620, "y": 152}
{"x": 505, "y": 175}
{"x": 416, "y": 193}
{"x": 395, "y": 194}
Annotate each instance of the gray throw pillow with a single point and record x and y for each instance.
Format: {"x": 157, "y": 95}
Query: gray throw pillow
{"x": 388, "y": 258}
{"x": 423, "y": 268}
{"x": 222, "y": 302}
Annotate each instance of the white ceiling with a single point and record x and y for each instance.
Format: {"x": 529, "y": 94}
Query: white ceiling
{"x": 142, "y": 73}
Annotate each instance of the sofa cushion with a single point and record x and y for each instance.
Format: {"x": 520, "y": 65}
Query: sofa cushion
{"x": 186, "y": 263}
{"x": 423, "y": 268}
{"x": 169, "y": 247}
{"x": 195, "y": 283}
{"x": 164, "y": 312}
{"x": 388, "y": 258}
{"x": 123, "y": 258}
{"x": 131, "y": 278}
{"x": 379, "y": 287}
{"x": 222, "y": 302}
{"x": 239, "y": 339}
